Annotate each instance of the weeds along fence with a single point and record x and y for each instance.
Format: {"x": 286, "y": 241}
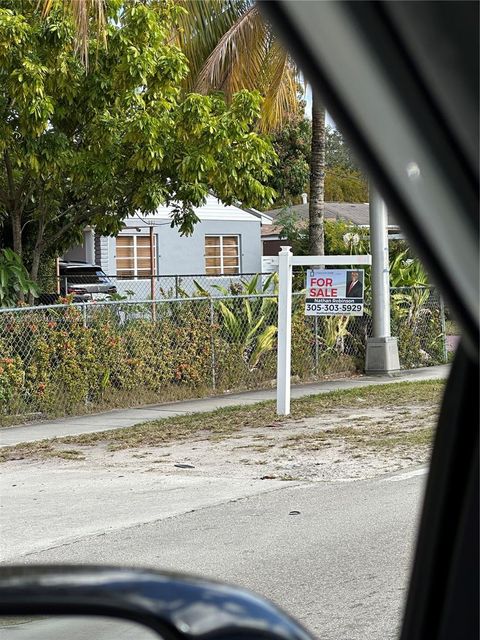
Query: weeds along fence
{"x": 418, "y": 321}
{"x": 80, "y": 358}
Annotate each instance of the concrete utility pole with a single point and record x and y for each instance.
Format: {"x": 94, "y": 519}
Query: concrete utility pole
{"x": 382, "y": 349}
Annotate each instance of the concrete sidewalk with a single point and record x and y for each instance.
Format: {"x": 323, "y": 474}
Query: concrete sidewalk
{"x": 128, "y": 417}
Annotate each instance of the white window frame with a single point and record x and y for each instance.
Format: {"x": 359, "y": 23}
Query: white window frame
{"x": 135, "y": 271}
{"x": 220, "y": 236}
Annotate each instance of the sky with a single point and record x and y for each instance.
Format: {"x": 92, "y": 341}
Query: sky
{"x": 308, "y": 109}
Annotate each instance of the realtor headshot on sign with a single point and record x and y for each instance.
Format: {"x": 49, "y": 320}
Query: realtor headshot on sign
{"x": 354, "y": 284}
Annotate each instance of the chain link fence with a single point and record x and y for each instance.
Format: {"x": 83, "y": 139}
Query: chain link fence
{"x": 80, "y": 358}
{"x": 418, "y": 321}
{"x": 86, "y": 284}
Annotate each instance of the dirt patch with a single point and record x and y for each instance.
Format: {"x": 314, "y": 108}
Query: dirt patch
{"x": 356, "y": 433}
{"x": 339, "y": 445}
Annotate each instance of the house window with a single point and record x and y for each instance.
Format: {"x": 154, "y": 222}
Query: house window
{"x": 222, "y": 255}
{"x": 134, "y": 256}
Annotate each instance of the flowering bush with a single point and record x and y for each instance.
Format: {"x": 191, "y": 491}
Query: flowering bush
{"x": 73, "y": 359}
{"x": 11, "y": 381}
{"x": 57, "y": 361}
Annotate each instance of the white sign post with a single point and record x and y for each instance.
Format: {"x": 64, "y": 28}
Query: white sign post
{"x": 284, "y": 340}
{"x": 286, "y": 260}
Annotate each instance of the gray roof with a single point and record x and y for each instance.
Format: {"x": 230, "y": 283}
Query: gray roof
{"x": 356, "y": 212}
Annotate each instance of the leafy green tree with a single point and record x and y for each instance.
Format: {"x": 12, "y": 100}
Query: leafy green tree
{"x": 345, "y": 186}
{"x": 92, "y": 148}
{"x": 84, "y": 14}
{"x": 294, "y": 230}
{"x": 344, "y": 181}
{"x": 341, "y": 237}
{"x": 235, "y": 48}
{"x": 338, "y": 154}
{"x": 290, "y": 175}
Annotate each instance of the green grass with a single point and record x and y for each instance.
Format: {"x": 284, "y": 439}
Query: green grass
{"x": 417, "y": 438}
{"x": 65, "y": 454}
{"x": 359, "y": 438}
{"x": 223, "y": 423}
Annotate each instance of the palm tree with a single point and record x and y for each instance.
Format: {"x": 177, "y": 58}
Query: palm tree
{"x": 230, "y": 47}
{"x": 316, "y": 209}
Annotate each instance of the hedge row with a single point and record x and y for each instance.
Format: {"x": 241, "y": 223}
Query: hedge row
{"x": 60, "y": 361}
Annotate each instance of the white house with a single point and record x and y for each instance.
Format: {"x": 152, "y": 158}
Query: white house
{"x": 225, "y": 243}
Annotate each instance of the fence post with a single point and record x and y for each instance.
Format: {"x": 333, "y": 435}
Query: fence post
{"x": 177, "y": 287}
{"x": 152, "y": 273}
{"x": 444, "y": 328}
{"x": 212, "y": 345}
{"x": 57, "y": 273}
{"x": 284, "y": 330}
{"x": 154, "y": 309}
{"x": 84, "y": 314}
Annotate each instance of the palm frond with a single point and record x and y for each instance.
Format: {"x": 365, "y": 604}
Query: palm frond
{"x": 250, "y": 287}
{"x": 82, "y": 11}
{"x": 280, "y": 81}
{"x": 223, "y": 290}
{"x": 201, "y": 26}
{"x": 201, "y": 290}
{"x": 236, "y": 62}
{"x": 46, "y": 7}
{"x": 231, "y": 48}
{"x": 273, "y": 277}
{"x": 248, "y": 311}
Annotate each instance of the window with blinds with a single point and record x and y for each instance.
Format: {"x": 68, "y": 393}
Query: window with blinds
{"x": 134, "y": 256}
{"x": 222, "y": 255}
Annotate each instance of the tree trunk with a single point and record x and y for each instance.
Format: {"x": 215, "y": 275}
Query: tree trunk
{"x": 36, "y": 255}
{"x": 15, "y": 212}
{"x": 13, "y": 206}
{"x": 17, "y": 233}
{"x": 317, "y": 179}
{"x": 38, "y": 250}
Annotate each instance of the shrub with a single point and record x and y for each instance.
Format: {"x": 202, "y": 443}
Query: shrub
{"x": 416, "y": 321}
{"x": 11, "y": 382}
{"x": 74, "y": 359}
{"x": 303, "y": 346}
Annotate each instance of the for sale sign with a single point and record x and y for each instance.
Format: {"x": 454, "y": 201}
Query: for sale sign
{"x": 334, "y": 292}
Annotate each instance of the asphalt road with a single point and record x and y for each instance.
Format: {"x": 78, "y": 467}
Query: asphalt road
{"x": 340, "y": 565}
{"x": 79, "y": 628}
